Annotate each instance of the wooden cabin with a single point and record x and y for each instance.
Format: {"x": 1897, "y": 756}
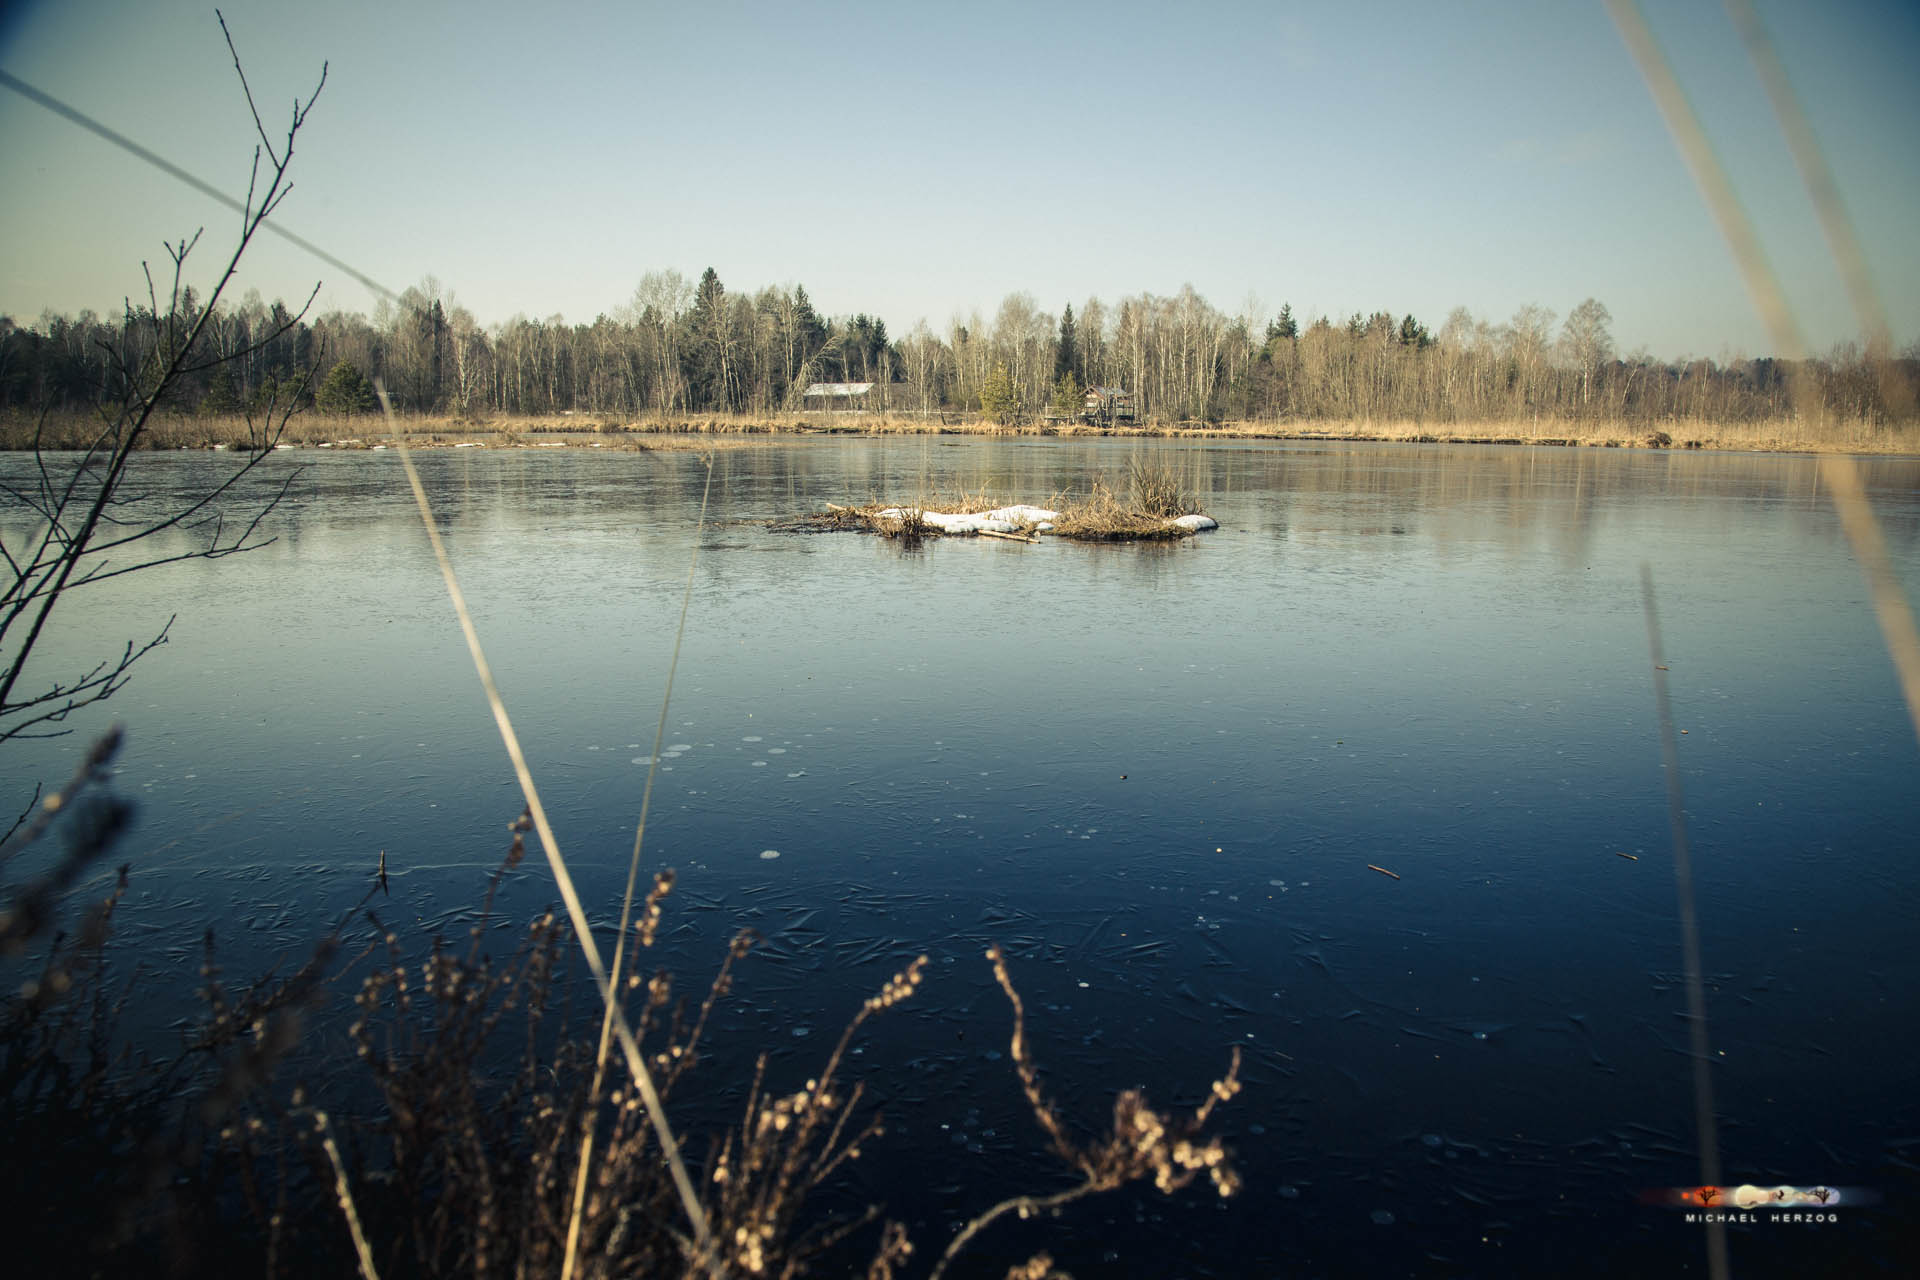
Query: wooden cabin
{"x": 1105, "y": 406}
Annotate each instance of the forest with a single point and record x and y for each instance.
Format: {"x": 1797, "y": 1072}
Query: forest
{"x": 681, "y": 347}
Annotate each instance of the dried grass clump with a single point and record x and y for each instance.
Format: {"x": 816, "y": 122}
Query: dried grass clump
{"x": 908, "y": 525}
{"x": 1102, "y": 517}
{"x": 1156, "y": 490}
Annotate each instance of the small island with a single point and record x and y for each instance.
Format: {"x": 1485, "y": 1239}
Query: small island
{"x": 1156, "y": 507}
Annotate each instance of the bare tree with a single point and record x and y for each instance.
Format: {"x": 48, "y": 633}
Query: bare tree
{"x": 77, "y": 519}
{"x": 1587, "y": 343}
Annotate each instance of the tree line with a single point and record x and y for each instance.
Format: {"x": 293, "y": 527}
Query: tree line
{"x": 695, "y": 347}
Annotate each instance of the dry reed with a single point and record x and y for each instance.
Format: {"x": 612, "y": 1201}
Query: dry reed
{"x": 1818, "y": 432}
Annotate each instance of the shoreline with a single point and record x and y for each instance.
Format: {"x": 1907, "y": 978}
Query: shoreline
{"x": 703, "y": 433}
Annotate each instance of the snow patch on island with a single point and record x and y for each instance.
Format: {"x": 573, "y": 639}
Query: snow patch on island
{"x": 1012, "y": 519}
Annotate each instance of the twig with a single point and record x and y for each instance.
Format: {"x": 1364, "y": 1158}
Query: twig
{"x": 345, "y": 1194}
{"x": 1027, "y": 1206}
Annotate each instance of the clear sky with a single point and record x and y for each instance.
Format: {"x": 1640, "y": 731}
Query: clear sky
{"x": 921, "y": 161}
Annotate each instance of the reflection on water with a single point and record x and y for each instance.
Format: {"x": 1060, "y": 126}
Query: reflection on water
{"x": 1157, "y": 776}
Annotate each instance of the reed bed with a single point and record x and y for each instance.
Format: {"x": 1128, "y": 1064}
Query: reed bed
{"x": 622, "y": 432}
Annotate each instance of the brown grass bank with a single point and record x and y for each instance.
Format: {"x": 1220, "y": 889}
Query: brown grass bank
{"x": 707, "y": 431}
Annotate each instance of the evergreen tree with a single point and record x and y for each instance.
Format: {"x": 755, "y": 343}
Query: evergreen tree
{"x": 220, "y": 397}
{"x": 1066, "y": 357}
{"x": 432, "y": 323}
{"x": 346, "y": 391}
{"x": 707, "y": 357}
{"x": 997, "y": 399}
{"x": 1067, "y": 396}
{"x": 1284, "y": 327}
{"x": 811, "y": 331}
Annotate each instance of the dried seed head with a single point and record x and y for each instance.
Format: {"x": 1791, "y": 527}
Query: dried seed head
{"x": 902, "y": 985}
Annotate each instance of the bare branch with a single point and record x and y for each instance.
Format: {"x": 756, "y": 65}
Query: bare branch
{"x": 247, "y": 89}
{"x": 97, "y": 685}
{"x": 156, "y": 351}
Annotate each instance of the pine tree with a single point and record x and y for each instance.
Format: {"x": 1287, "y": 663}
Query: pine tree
{"x": 997, "y": 399}
{"x": 1067, "y": 396}
{"x": 811, "y": 331}
{"x": 1066, "y": 357}
{"x": 707, "y": 360}
{"x": 220, "y": 397}
{"x": 346, "y": 391}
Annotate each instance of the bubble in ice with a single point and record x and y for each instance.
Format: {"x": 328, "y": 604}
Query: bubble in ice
{"x": 680, "y": 746}
{"x": 752, "y": 737}
{"x": 1382, "y": 1218}
{"x": 768, "y": 855}
{"x": 643, "y": 759}
{"x": 1431, "y": 1139}
{"x": 759, "y": 764}
{"x": 798, "y": 773}
{"x": 776, "y": 751}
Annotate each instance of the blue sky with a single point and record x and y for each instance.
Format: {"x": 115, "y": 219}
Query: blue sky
{"x": 922, "y": 161}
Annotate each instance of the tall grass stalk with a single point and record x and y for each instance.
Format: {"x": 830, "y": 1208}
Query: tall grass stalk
{"x": 550, "y": 845}
{"x": 591, "y": 1119}
{"x": 1705, "y": 1124}
{"x": 1870, "y": 550}
{"x": 345, "y": 1194}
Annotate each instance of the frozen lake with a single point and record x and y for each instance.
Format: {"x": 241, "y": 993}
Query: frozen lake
{"x": 1157, "y": 775}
